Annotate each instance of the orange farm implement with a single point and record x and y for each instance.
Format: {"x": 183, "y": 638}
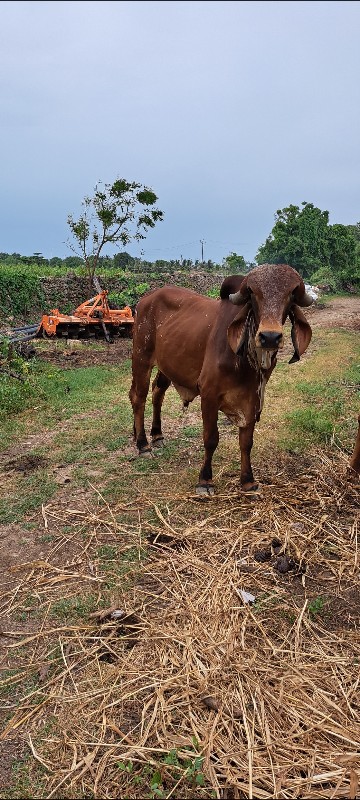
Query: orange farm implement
{"x": 94, "y": 319}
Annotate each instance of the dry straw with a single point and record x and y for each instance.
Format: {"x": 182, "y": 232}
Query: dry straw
{"x": 265, "y": 695}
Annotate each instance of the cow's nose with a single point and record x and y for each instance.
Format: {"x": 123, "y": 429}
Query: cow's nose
{"x": 270, "y": 339}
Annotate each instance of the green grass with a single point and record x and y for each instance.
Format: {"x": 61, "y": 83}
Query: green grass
{"x": 24, "y": 784}
{"x": 115, "y": 564}
{"x": 29, "y": 493}
{"x": 192, "y": 431}
{"x": 73, "y": 608}
{"x": 316, "y": 425}
{"x": 66, "y": 396}
{"x": 317, "y": 409}
{"x": 88, "y": 413}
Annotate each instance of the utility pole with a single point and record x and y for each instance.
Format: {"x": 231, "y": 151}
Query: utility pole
{"x": 202, "y": 250}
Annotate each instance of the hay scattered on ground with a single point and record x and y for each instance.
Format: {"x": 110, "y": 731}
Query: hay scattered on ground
{"x": 189, "y": 684}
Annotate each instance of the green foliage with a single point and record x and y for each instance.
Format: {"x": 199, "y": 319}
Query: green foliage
{"x": 344, "y": 255}
{"x": 325, "y": 277}
{"x": 235, "y": 264}
{"x": 303, "y": 238}
{"x": 299, "y": 237}
{"x": 214, "y": 293}
{"x": 123, "y": 260}
{"x": 175, "y": 767}
{"x": 129, "y": 296}
{"x": 16, "y": 387}
{"x": 118, "y": 213}
{"x": 316, "y": 607}
{"x": 20, "y": 291}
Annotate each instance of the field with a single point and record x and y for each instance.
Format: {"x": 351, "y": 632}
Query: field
{"x": 133, "y": 664}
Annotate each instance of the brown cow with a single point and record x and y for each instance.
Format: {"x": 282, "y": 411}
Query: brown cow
{"x": 355, "y": 459}
{"x": 223, "y": 350}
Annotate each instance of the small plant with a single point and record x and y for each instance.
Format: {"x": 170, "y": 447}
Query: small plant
{"x": 264, "y": 600}
{"x": 174, "y": 767}
{"x": 178, "y": 765}
{"x": 316, "y": 607}
{"x": 125, "y": 767}
{"x": 16, "y": 388}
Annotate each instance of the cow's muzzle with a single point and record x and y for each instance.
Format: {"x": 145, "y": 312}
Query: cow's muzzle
{"x": 270, "y": 340}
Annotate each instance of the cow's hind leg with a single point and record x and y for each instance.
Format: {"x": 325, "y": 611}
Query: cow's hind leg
{"x": 159, "y": 386}
{"x": 246, "y": 442}
{"x": 211, "y": 441}
{"x": 138, "y": 394}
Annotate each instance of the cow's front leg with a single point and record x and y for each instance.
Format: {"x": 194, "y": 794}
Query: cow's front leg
{"x": 355, "y": 459}
{"x": 211, "y": 441}
{"x": 160, "y": 384}
{"x": 138, "y": 394}
{"x": 246, "y": 442}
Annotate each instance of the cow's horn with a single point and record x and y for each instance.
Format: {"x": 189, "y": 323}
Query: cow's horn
{"x": 237, "y": 298}
{"x": 301, "y": 297}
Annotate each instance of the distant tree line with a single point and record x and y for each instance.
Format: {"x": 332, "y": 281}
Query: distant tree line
{"x": 128, "y": 263}
{"x": 324, "y": 254}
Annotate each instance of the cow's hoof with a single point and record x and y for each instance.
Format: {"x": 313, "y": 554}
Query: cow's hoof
{"x": 205, "y": 490}
{"x": 145, "y": 452}
{"x": 158, "y": 442}
{"x": 251, "y": 489}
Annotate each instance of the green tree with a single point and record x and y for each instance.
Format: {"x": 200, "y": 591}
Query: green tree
{"x": 321, "y": 252}
{"x": 118, "y": 213}
{"x": 73, "y": 262}
{"x": 55, "y": 261}
{"x": 344, "y": 255}
{"x": 299, "y": 237}
{"x": 123, "y": 260}
{"x": 235, "y": 264}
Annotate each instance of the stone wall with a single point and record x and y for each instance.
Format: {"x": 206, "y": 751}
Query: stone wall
{"x": 69, "y": 291}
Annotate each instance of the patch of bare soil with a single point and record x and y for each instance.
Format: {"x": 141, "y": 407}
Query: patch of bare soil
{"x": 74, "y": 354}
{"x": 26, "y": 463}
{"x": 342, "y": 312}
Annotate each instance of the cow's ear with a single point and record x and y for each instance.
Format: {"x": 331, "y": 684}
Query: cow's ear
{"x": 300, "y": 332}
{"x": 236, "y": 332}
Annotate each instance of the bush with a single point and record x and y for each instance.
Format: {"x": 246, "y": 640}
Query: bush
{"x": 324, "y": 277}
{"x": 129, "y": 296}
{"x": 16, "y": 388}
{"x": 20, "y": 291}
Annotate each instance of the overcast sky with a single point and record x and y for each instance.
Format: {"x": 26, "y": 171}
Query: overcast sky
{"x": 228, "y": 110}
